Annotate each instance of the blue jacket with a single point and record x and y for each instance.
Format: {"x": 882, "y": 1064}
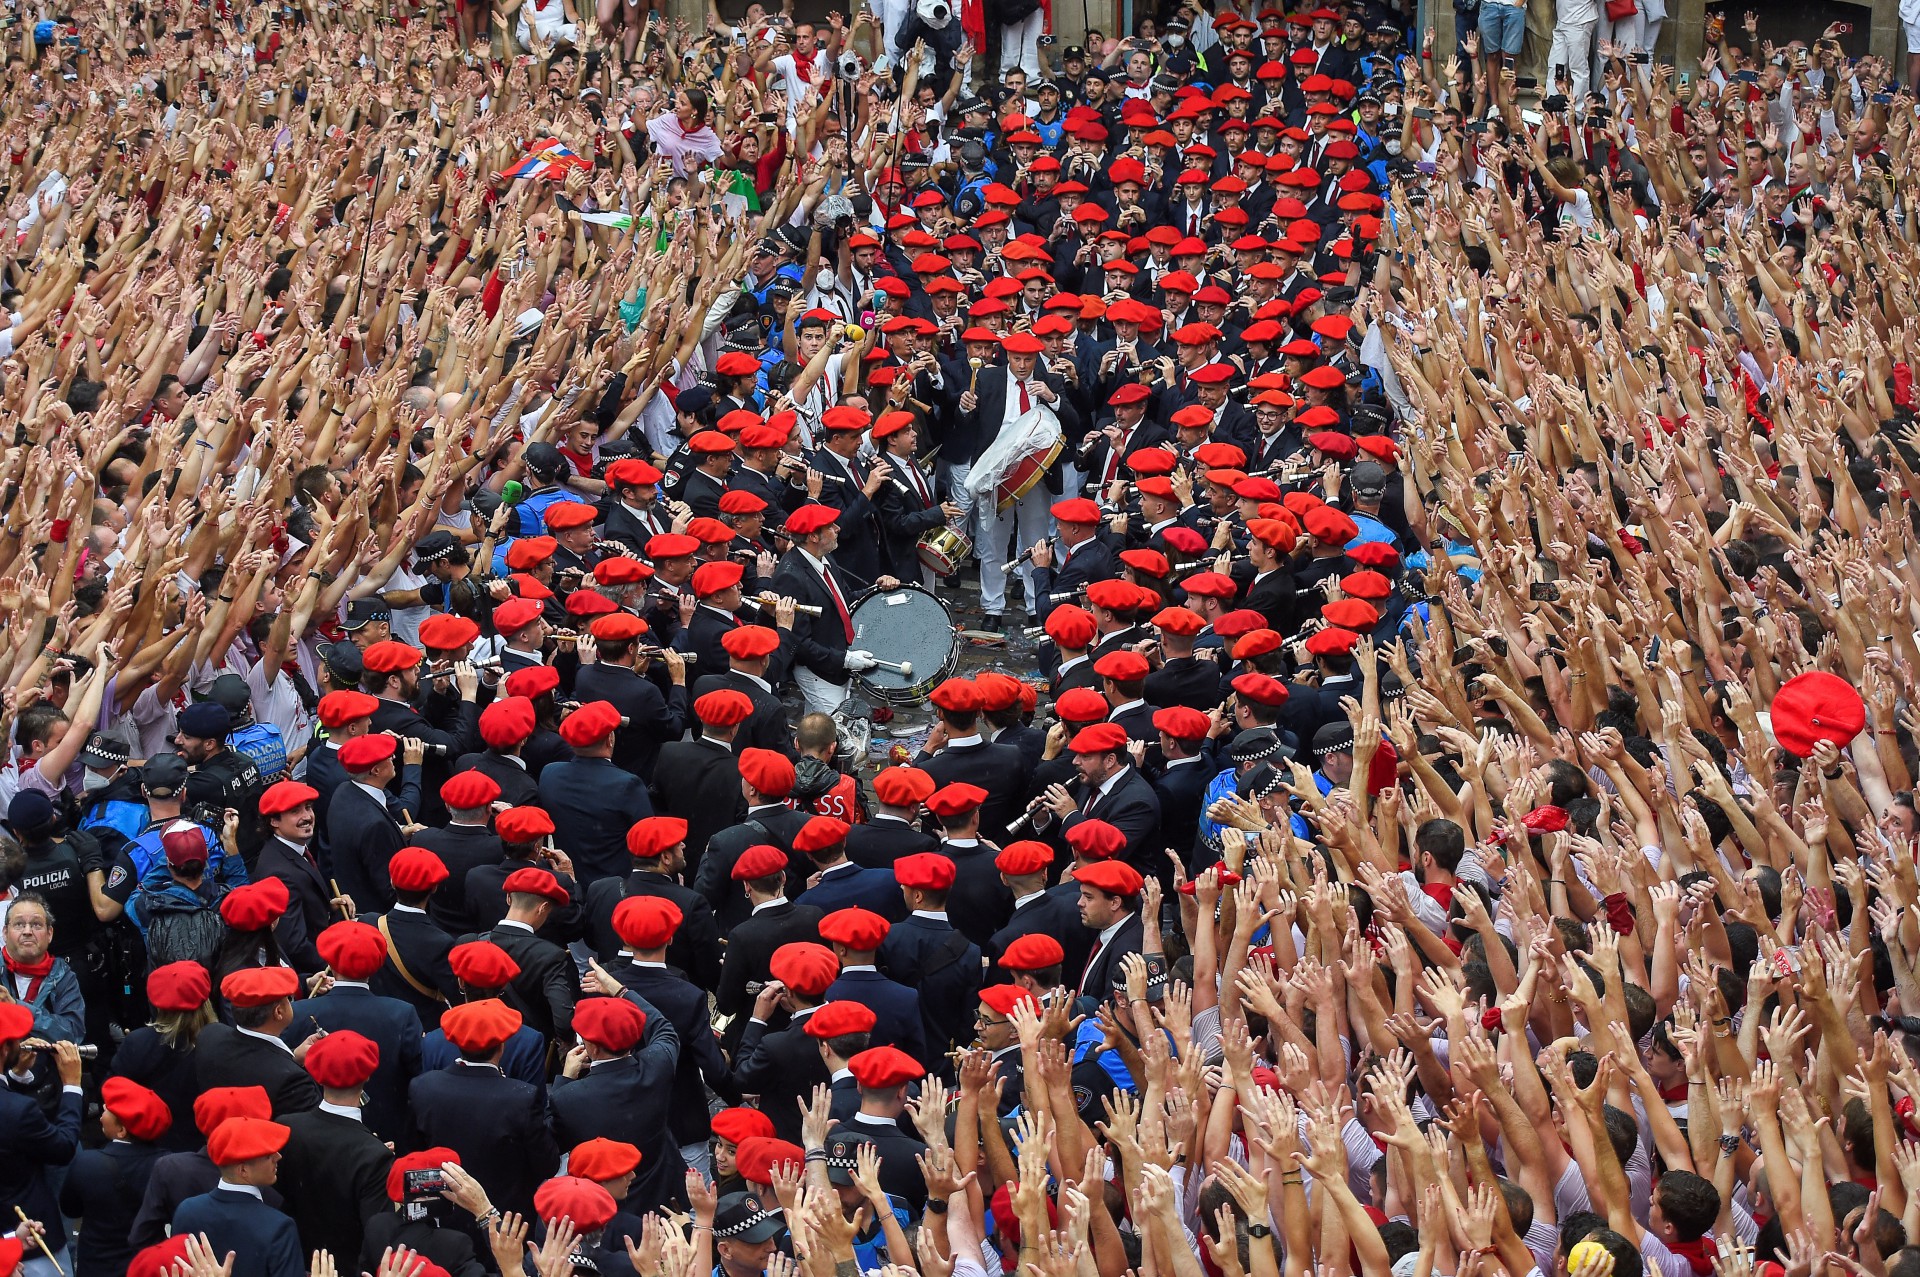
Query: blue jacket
{"x": 159, "y": 892}
{"x": 29, "y": 1143}
{"x": 59, "y": 1010}
{"x": 145, "y": 851}
{"x": 264, "y": 1242}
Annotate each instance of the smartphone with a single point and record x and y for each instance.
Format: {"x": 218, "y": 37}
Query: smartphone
{"x": 1843, "y": 28}
{"x": 1515, "y": 459}
{"x": 1883, "y": 99}
{"x": 1544, "y": 592}
{"x": 1526, "y": 82}
{"x": 1423, "y": 113}
{"x": 1747, "y": 77}
{"x": 421, "y": 1185}
{"x": 1639, "y": 55}
{"x": 1478, "y": 126}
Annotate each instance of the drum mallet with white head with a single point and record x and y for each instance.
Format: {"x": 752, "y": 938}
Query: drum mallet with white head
{"x": 903, "y": 668}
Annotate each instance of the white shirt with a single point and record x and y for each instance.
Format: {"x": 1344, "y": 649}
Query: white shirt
{"x": 342, "y": 1110}
{"x": 264, "y": 1037}
{"x": 777, "y": 900}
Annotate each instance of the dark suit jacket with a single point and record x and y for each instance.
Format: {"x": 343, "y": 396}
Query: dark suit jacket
{"x": 696, "y": 946}
{"x": 593, "y": 804}
{"x": 848, "y": 886}
{"x": 630, "y": 1099}
{"x": 781, "y": 1066}
{"x": 820, "y": 642}
{"x": 333, "y": 1172}
{"x": 518, "y": 788}
{"x": 487, "y": 901}
{"x": 699, "y": 781}
{"x": 308, "y": 911}
{"x": 1090, "y": 561}
{"x": 998, "y": 769}
{"x": 1181, "y": 790}
{"x": 263, "y": 1241}
{"x": 144, "y": 1057}
{"x": 1138, "y": 720}
{"x": 973, "y": 431}
{"x": 927, "y": 954}
{"x": 1131, "y": 807}
{"x": 768, "y": 726}
{"x": 979, "y": 903}
{"x": 175, "y": 1178}
{"x": 1053, "y": 913}
{"x": 1185, "y": 680}
{"x": 511, "y": 1152}
{"x": 899, "y": 1171}
{"x": 859, "y": 553}
{"x": 362, "y": 836}
{"x": 775, "y": 825}
{"x": 229, "y": 1057}
{"x": 548, "y": 984}
{"x": 750, "y": 947}
{"x": 700, "y": 1064}
{"x": 896, "y": 1008}
{"x": 702, "y": 638}
{"x": 652, "y": 719}
{"x": 451, "y": 1247}
{"x": 523, "y": 1058}
{"x": 391, "y": 1024}
{"x": 105, "y": 1187}
{"x": 881, "y": 841}
{"x": 460, "y": 848}
{"x": 905, "y": 516}
{"x": 1103, "y": 968}
{"x": 423, "y": 945}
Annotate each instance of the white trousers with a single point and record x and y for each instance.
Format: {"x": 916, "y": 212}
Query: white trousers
{"x": 892, "y": 15}
{"x": 1020, "y": 44}
{"x": 821, "y": 696}
{"x": 1630, "y": 33}
{"x": 1572, "y": 48}
{"x": 1004, "y": 534}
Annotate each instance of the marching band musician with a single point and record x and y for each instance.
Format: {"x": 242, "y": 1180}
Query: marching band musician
{"x": 907, "y": 504}
{"x": 824, "y": 639}
{"x": 1000, "y": 397}
{"x": 1105, "y": 452}
{"x": 635, "y": 513}
{"x": 1082, "y": 558}
{"x": 849, "y": 486}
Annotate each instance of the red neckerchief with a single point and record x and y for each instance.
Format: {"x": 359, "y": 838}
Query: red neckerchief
{"x": 1442, "y": 893}
{"x": 803, "y": 67}
{"x": 34, "y": 971}
{"x": 1699, "y": 1253}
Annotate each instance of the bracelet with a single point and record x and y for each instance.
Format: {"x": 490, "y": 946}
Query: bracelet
{"x": 937, "y": 1206}
{"x": 1259, "y": 1230}
{"x": 1835, "y": 774}
{"x": 224, "y": 598}
{"x": 1729, "y": 1145}
{"x": 1725, "y": 1019}
{"x": 703, "y": 1228}
{"x": 1292, "y": 1179}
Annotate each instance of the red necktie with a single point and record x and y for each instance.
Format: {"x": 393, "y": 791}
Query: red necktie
{"x": 1113, "y": 463}
{"x": 1193, "y": 225}
{"x": 846, "y": 617}
{"x": 1026, "y": 400}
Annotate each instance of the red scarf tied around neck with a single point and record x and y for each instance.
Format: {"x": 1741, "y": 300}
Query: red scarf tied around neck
{"x": 1699, "y": 1253}
{"x": 35, "y": 972}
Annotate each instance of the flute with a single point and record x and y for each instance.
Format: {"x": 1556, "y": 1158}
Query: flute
{"x": 1024, "y": 821}
{"x": 653, "y": 653}
{"x": 1024, "y": 556}
{"x": 767, "y": 602}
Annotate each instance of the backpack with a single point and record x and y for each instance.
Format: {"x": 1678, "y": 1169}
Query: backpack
{"x": 179, "y": 932}
{"x": 260, "y": 744}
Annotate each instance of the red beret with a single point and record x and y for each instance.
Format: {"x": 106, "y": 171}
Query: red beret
{"x": 757, "y": 1155}
{"x": 215, "y": 1105}
{"x": 343, "y": 1060}
{"x": 646, "y": 922}
{"x": 632, "y": 472}
{"x": 820, "y": 833}
{"x": 880, "y": 1067}
{"x": 1096, "y": 840}
{"x": 1110, "y": 596}
{"x": 958, "y": 696}
{"x": 1003, "y": 998}
{"x": 1122, "y": 666}
{"x": 861, "y": 930}
{"x": 653, "y": 836}
{"x": 723, "y": 708}
{"x": 711, "y": 578}
{"x": 1034, "y": 951}
{"x": 1274, "y": 533}
{"x": 759, "y": 861}
{"x": 469, "y": 791}
{"x": 479, "y": 1027}
{"x": 612, "y": 1024}
{"x": 426, "y": 1159}
{"x": 562, "y": 516}
{"x": 1334, "y": 527}
{"x": 738, "y": 501}
{"x": 1238, "y": 622}
{"x": 1374, "y": 554}
{"x": 337, "y": 709}
{"x": 1115, "y": 877}
{"x": 1813, "y": 707}
{"x": 242, "y": 1139}
{"x": 750, "y": 642}
{"x": 1332, "y": 641}
{"x": 391, "y": 657}
{"x": 255, "y": 906}
{"x": 804, "y": 967}
{"x": 534, "y": 882}
{"x": 1150, "y": 562}
{"x": 1076, "y": 510}
{"x": 1352, "y": 614}
{"x": 672, "y": 545}
{"x": 179, "y": 986}
{"x": 416, "y": 869}
{"x": 532, "y": 681}
{"x": 283, "y": 796}
{"x": 590, "y": 724}
{"x": 523, "y": 825}
{"x": 1182, "y": 722}
{"x": 838, "y": 1019}
{"x": 1070, "y": 626}
{"x": 809, "y": 519}
{"x": 1257, "y": 643}
{"x": 364, "y": 753}
{"x": 738, "y": 1125}
{"x": 1081, "y": 705}
{"x": 736, "y": 363}
{"x": 617, "y": 627}
{"x": 1018, "y": 859}
{"x": 621, "y": 570}
{"x": 924, "y": 871}
{"x": 768, "y": 771}
{"x": 144, "y": 1114}
{"x": 997, "y": 691}
{"x": 955, "y": 799}
{"x": 1261, "y": 689}
{"x": 1099, "y": 738}
{"x": 353, "y": 949}
{"x": 530, "y": 552}
{"x": 162, "y": 1259}
{"x": 589, "y": 1206}
{"x": 16, "y": 1021}
{"x": 1181, "y": 621}
{"x": 1210, "y": 585}
{"x": 902, "y": 786}
{"x": 601, "y": 1159}
{"x": 507, "y": 722}
{"x": 483, "y": 964}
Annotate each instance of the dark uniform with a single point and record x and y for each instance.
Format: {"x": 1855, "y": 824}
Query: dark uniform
{"x": 390, "y": 1024}
{"x": 460, "y": 848}
{"x": 413, "y": 938}
{"x": 700, "y": 1065}
{"x": 698, "y": 780}
{"x": 333, "y": 1172}
{"x": 546, "y": 988}
{"x": 998, "y": 769}
{"x": 883, "y": 840}
{"x": 105, "y": 1187}
{"x": 630, "y": 1099}
{"x": 652, "y": 719}
{"x": 895, "y": 1007}
{"x": 695, "y": 948}
{"x": 263, "y": 1241}
{"x": 782, "y": 1067}
{"x": 228, "y": 1057}
{"x": 593, "y": 804}
{"x": 929, "y": 955}
{"x": 511, "y": 1152}
{"x": 309, "y": 909}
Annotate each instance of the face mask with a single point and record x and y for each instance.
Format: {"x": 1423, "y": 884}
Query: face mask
{"x": 1175, "y": 41}
{"x": 1390, "y": 108}
{"x": 1393, "y": 148}
{"x": 93, "y": 782}
{"x": 824, "y": 281}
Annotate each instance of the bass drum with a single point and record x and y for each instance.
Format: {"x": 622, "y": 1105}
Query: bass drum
{"x": 905, "y": 626}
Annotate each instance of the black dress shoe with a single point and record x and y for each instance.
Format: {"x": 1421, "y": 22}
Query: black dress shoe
{"x": 993, "y": 621}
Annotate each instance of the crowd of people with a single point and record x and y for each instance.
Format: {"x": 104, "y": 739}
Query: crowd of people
{"x": 1431, "y": 797}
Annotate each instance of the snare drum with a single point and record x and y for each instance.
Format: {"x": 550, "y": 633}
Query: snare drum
{"x": 906, "y": 626}
{"x": 945, "y": 550}
{"x": 1026, "y": 472}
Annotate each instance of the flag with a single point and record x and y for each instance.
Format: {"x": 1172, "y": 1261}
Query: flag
{"x": 548, "y": 158}
{"x": 619, "y": 221}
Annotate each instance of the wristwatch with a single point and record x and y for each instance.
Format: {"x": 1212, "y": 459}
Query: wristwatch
{"x": 1259, "y": 1230}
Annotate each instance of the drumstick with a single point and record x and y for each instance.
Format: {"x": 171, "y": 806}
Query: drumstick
{"x": 335, "y": 884}
{"x": 41, "y": 1242}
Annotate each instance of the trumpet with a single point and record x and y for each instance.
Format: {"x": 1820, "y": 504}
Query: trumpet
{"x": 767, "y": 602}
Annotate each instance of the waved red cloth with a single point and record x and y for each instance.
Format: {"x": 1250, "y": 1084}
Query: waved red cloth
{"x": 1620, "y": 913}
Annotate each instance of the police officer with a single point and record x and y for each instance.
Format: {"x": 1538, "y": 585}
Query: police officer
{"x": 220, "y": 777}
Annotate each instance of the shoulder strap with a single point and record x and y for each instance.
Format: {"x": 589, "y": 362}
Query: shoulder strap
{"x": 400, "y": 965}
